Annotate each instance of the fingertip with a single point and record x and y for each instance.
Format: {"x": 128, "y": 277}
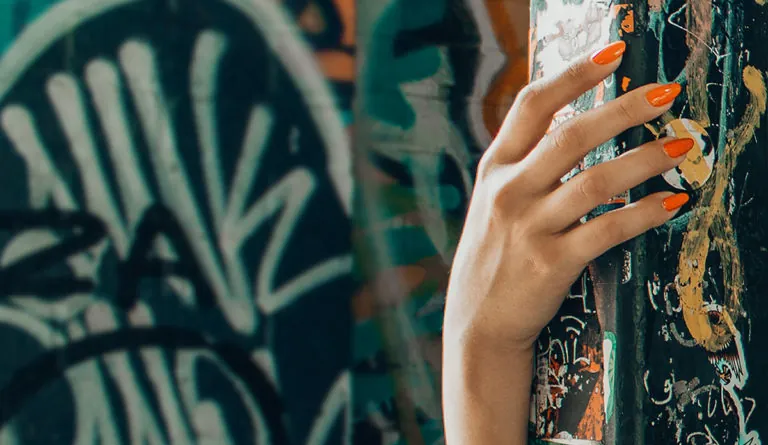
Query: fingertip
{"x": 678, "y": 148}
{"x": 674, "y": 202}
{"x": 610, "y": 53}
{"x": 663, "y": 96}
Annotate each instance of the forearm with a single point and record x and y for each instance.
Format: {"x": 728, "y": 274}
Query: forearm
{"x": 486, "y": 395}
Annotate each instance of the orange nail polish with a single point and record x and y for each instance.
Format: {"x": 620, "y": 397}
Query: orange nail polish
{"x": 610, "y": 53}
{"x": 660, "y": 96}
{"x": 678, "y": 147}
{"x": 674, "y": 202}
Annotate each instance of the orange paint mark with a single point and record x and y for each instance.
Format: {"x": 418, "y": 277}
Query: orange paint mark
{"x": 628, "y": 24}
{"x": 347, "y": 14}
{"x": 363, "y": 305}
{"x": 532, "y": 45}
{"x": 372, "y": 173}
{"x": 337, "y": 65}
{"x": 594, "y": 357}
{"x": 502, "y": 92}
{"x": 617, "y": 200}
{"x": 374, "y": 296}
{"x": 591, "y": 424}
{"x": 366, "y": 302}
{"x": 311, "y": 19}
{"x": 625, "y": 83}
{"x": 628, "y": 21}
{"x": 616, "y": 9}
{"x": 515, "y": 74}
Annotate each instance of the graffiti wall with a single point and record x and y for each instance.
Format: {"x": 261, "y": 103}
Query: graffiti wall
{"x": 674, "y": 360}
{"x": 175, "y": 253}
{"x": 195, "y": 249}
{"x": 231, "y": 221}
{"x": 435, "y": 80}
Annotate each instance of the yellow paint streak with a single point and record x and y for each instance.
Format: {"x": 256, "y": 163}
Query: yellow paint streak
{"x": 700, "y": 34}
{"x": 694, "y": 168}
{"x": 653, "y": 129}
{"x": 710, "y": 225}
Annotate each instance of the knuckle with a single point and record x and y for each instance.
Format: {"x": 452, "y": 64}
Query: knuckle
{"x": 651, "y": 159}
{"x": 541, "y": 262}
{"x": 645, "y": 161}
{"x": 576, "y": 72}
{"x": 654, "y": 162}
{"x": 612, "y": 230}
{"x": 506, "y": 192}
{"x": 625, "y": 111}
{"x": 498, "y": 194}
{"x": 484, "y": 165}
{"x": 569, "y": 136}
{"x": 529, "y": 96}
{"x": 658, "y": 216}
{"x": 592, "y": 186}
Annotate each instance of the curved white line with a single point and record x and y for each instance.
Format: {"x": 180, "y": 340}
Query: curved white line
{"x": 68, "y": 103}
{"x": 280, "y": 32}
{"x": 105, "y": 85}
{"x": 208, "y": 52}
{"x": 286, "y": 42}
{"x": 337, "y": 399}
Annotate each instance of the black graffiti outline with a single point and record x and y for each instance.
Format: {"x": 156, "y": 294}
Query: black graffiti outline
{"x": 20, "y": 277}
{"x": 29, "y": 379}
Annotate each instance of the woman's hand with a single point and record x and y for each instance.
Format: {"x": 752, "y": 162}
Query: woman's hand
{"x": 523, "y": 244}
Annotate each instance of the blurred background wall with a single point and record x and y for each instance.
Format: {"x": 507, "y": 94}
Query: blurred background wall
{"x": 206, "y": 236}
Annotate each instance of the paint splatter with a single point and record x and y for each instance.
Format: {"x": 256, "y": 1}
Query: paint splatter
{"x": 699, "y": 18}
{"x": 625, "y": 83}
{"x": 710, "y": 225}
{"x": 697, "y": 167}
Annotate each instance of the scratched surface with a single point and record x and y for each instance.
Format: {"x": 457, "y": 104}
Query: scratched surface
{"x": 573, "y": 397}
{"x": 687, "y": 325}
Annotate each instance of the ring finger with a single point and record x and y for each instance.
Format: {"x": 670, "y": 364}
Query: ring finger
{"x": 596, "y": 185}
{"x": 565, "y": 146}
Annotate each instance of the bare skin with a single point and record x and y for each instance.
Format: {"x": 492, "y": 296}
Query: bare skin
{"x": 524, "y": 245}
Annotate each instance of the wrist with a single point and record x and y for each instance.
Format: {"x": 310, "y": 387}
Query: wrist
{"x": 482, "y": 338}
{"x": 486, "y": 391}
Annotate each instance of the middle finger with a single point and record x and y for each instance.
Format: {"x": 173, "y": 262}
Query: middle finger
{"x": 563, "y": 148}
{"x": 596, "y": 185}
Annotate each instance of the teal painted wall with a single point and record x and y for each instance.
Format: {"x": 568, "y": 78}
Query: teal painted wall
{"x": 231, "y": 221}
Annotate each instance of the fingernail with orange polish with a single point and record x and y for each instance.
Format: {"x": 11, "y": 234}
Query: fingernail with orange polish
{"x": 674, "y": 202}
{"x": 660, "y": 96}
{"x": 678, "y": 147}
{"x": 610, "y": 53}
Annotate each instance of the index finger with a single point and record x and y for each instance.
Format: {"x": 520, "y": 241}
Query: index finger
{"x": 531, "y": 114}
